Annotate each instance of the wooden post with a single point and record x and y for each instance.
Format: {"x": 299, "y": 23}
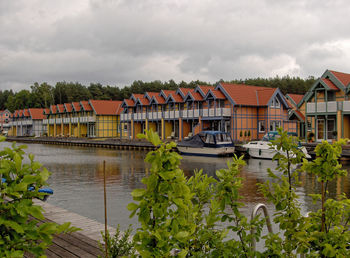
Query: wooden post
{"x": 105, "y": 204}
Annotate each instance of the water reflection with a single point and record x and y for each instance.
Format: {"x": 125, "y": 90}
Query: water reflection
{"x": 77, "y": 179}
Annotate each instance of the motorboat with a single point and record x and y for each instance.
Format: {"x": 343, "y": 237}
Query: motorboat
{"x": 263, "y": 149}
{"x": 207, "y": 143}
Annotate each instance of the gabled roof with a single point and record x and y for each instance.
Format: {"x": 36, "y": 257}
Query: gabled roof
{"x": 247, "y": 95}
{"x": 68, "y": 107}
{"x": 46, "y": 111}
{"x": 143, "y": 101}
{"x": 329, "y": 84}
{"x": 175, "y": 98}
{"x": 105, "y": 107}
{"x": 128, "y": 103}
{"x": 165, "y": 93}
{"x": 195, "y": 96}
{"x": 85, "y": 105}
{"x": 157, "y": 99}
{"x": 20, "y": 113}
{"x": 149, "y": 95}
{"x": 53, "y": 109}
{"x": 183, "y": 91}
{"x": 344, "y": 78}
{"x": 295, "y": 98}
{"x": 215, "y": 93}
{"x": 297, "y": 114}
{"x": 60, "y": 108}
{"x": 25, "y": 113}
{"x": 203, "y": 89}
{"x": 76, "y": 106}
{"x": 37, "y": 113}
{"x": 135, "y": 96}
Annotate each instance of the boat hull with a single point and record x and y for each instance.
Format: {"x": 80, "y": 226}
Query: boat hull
{"x": 206, "y": 151}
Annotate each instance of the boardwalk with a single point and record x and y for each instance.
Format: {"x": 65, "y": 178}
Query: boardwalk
{"x": 83, "y": 243}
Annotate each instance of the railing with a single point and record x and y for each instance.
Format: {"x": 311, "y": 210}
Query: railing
{"x": 258, "y": 207}
{"x": 346, "y": 105}
{"x": 58, "y": 120}
{"x": 51, "y": 121}
{"x": 330, "y": 106}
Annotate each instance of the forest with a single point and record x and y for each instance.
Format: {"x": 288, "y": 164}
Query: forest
{"x": 43, "y": 95}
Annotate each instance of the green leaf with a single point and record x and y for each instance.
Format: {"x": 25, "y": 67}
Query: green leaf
{"x": 132, "y": 206}
{"x": 182, "y": 234}
{"x": 138, "y": 193}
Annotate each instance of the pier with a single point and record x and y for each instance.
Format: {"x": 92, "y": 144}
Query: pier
{"x": 83, "y": 243}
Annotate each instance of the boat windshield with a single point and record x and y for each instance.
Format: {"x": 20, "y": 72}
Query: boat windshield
{"x": 223, "y": 138}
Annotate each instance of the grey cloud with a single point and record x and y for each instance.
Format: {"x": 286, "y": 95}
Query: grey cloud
{"x": 119, "y": 41}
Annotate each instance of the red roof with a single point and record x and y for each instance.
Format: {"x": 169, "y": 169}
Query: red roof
{"x": 53, "y": 109}
{"x": 20, "y": 113}
{"x": 218, "y": 94}
{"x": 76, "y": 106}
{"x": 177, "y": 98}
{"x": 86, "y": 106}
{"x": 185, "y": 90}
{"x": 248, "y": 95}
{"x": 37, "y": 113}
{"x": 25, "y": 113}
{"x": 15, "y": 114}
{"x": 152, "y": 94}
{"x": 105, "y": 107}
{"x": 296, "y": 97}
{"x": 344, "y": 78}
{"x": 144, "y": 101}
{"x": 330, "y": 84}
{"x": 159, "y": 99}
{"x": 168, "y": 92}
{"x": 46, "y": 111}
{"x": 60, "y": 108}
{"x": 205, "y": 88}
{"x": 68, "y": 107}
{"x": 136, "y": 96}
{"x": 129, "y": 102}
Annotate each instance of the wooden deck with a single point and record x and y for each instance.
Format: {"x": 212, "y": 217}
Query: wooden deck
{"x": 83, "y": 243}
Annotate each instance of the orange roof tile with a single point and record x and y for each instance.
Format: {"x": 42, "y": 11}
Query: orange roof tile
{"x": 330, "y": 84}
{"x": 129, "y": 102}
{"x": 68, "y": 107}
{"x": 105, "y": 107}
{"x": 205, "y": 88}
{"x": 144, "y": 101}
{"x": 76, "y": 106}
{"x": 53, "y": 109}
{"x": 218, "y": 94}
{"x": 46, "y": 111}
{"x": 86, "y": 106}
{"x": 20, "y": 113}
{"x": 300, "y": 114}
{"x": 296, "y": 97}
{"x": 344, "y": 78}
{"x": 159, "y": 99}
{"x": 151, "y": 94}
{"x": 60, "y": 108}
{"x": 168, "y": 92}
{"x": 248, "y": 95}
{"x": 177, "y": 98}
{"x": 185, "y": 90}
{"x": 135, "y": 96}
{"x": 37, "y": 113}
{"x": 25, "y": 113}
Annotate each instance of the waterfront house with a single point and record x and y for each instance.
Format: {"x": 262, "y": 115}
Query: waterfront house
{"x": 27, "y": 122}
{"x": 241, "y": 110}
{"x": 92, "y": 118}
{"x": 326, "y": 106}
{"x": 295, "y": 114}
{"x": 5, "y": 119}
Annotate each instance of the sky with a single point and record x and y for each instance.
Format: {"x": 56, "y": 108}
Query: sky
{"x": 115, "y": 42}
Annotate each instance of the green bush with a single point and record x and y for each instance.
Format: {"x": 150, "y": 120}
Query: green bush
{"x": 119, "y": 245}
{"x": 21, "y": 224}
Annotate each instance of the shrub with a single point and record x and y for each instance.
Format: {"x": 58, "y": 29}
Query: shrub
{"x": 21, "y": 226}
{"x": 120, "y": 244}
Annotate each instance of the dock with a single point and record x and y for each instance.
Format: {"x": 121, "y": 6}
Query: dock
{"x": 83, "y": 243}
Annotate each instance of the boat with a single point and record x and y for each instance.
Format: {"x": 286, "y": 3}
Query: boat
{"x": 207, "y": 143}
{"x": 263, "y": 149}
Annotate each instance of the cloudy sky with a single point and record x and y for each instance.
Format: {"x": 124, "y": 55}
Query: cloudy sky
{"x": 118, "y": 41}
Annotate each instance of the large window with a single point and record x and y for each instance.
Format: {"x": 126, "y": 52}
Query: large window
{"x": 275, "y": 103}
{"x": 274, "y": 125}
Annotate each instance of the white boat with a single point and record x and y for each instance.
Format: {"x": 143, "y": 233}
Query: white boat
{"x": 264, "y": 150}
{"x": 207, "y": 143}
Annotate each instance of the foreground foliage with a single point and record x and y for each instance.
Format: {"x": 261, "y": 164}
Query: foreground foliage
{"x": 200, "y": 216}
{"x": 21, "y": 229}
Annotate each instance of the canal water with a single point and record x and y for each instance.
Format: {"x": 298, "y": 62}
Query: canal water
{"x": 77, "y": 179}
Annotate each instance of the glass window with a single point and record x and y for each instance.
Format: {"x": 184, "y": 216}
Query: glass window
{"x": 209, "y": 139}
{"x": 261, "y": 126}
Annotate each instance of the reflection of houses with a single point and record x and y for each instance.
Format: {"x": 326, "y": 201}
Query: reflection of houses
{"x": 5, "y": 118}
{"x": 27, "y": 122}
{"x": 237, "y": 109}
{"x": 93, "y": 118}
{"x": 327, "y": 107}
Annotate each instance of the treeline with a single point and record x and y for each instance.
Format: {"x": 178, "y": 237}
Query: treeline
{"x": 43, "y": 95}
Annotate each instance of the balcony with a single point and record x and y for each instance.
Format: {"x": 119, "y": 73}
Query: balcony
{"x": 87, "y": 119}
{"x": 51, "y": 121}
{"x": 45, "y": 121}
{"x": 321, "y": 107}
{"x": 346, "y": 106}
{"x": 58, "y": 120}
{"x": 66, "y": 120}
{"x": 216, "y": 112}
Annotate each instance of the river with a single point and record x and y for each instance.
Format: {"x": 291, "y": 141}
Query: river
{"x": 77, "y": 179}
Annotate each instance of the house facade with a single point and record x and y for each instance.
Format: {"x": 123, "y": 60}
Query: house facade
{"x": 27, "y": 122}
{"x": 5, "y": 119}
{"x": 326, "y": 107}
{"x": 92, "y": 118}
{"x": 241, "y": 110}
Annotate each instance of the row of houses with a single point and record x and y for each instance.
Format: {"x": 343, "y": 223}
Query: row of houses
{"x": 243, "y": 111}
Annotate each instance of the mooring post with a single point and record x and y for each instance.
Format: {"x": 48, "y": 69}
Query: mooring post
{"x": 105, "y": 204}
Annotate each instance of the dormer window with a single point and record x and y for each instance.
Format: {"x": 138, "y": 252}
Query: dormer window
{"x": 275, "y": 103}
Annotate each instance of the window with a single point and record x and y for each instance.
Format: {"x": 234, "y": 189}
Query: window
{"x": 330, "y": 96}
{"x": 209, "y": 139}
{"x": 261, "y": 126}
{"x": 274, "y": 125}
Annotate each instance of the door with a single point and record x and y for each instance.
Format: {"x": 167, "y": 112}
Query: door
{"x": 320, "y": 129}
{"x": 330, "y": 129}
